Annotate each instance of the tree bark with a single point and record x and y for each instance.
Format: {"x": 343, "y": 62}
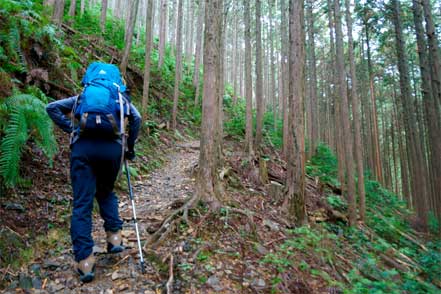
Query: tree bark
{"x": 418, "y": 170}
{"x": 199, "y": 43}
{"x": 207, "y": 175}
{"x": 72, "y": 7}
{"x": 103, "y": 15}
{"x": 430, "y": 107}
{"x": 375, "y": 135}
{"x": 178, "y": 68}
{"x": 248, "y": 82}
{"x": 162, "y": 32}
{"x": 259, "y": 79}
{"x": 285, "y": 83}
{"x": 57, "y": 16}
{"x": 82, "y": 6}
{"x": 129, "y": 36}
{"x": 313, "y": 81}
{"x": 296, "y": 140}
{"x": 272, "y": 90}
{"x": 434, "y": 54}
{"x": 349, "y": 161}
{"x": 356, "y": 114}
{"x": 148, "y": 50}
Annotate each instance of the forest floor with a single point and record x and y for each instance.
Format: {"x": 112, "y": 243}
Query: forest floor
{"x": 156, "y": 195}
{"x": 215, "y": 252}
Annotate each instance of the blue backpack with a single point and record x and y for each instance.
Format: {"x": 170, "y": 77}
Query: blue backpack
{"x": 101, "y": 109}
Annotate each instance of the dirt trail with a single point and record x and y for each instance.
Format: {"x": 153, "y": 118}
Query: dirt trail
{"x": 156, "y": 195}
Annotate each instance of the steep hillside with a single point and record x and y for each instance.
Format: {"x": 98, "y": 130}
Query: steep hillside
{"x": 247, "y": 246}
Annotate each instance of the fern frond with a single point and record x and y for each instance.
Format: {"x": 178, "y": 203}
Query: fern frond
{"x": 11, "y": 147}
{"x": 27, "y": 116}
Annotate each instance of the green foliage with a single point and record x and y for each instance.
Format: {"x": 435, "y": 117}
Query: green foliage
{"x": 337, "y": 202}
{"x": 324, "y": 165}
{"x": 235, "y": 125}
{"x": 23, "y": 117}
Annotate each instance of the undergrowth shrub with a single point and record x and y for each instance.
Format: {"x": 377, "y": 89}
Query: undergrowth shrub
{"x": 22, "y": 118}
{"x": 324, "y": 165}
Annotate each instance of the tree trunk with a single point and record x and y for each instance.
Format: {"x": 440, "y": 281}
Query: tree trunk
{"x": 349, "y": 161}
{"x": 259, "y": 79}
{"x": 235, "y": 58}
{"x": 207, "y": 175}
{"x": 199, "y": 43}
{"x": 82, "y": 6}
{"x": 129, "y": 36}
{"x": 356, "y": 114}
{"x": 162, "y": 32}
{"x": 57, "y": 16}
{"x": 430, "y": 107}
{"x": 178, "y": 69}
{"x": 148, "y": 50}
{"x": 272, "y": 90}
{"x": 418, "y": 170}
{"x": 284, "y": 59}
{"x": 296, "y": 140}
{"x": 313, "y": 140}
{"x": 103, "y": 15}
{"x": 434, "y": 54}
{"x": 248, "y": 82}
{"x": 72, "y": 7}
{"x": 375, "y": 135}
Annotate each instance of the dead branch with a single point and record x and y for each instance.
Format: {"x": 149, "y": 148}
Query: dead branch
{"x": 169, "y": 285}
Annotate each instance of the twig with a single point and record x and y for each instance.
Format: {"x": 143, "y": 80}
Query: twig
{"x": 169, "y": 285}
{"x": 119, "y": 262}
{"x": 275, "y": 240}
{"x": 44, "y": 284}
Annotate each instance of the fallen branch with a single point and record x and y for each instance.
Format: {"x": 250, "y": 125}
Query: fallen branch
{"x": 169, "y": 285}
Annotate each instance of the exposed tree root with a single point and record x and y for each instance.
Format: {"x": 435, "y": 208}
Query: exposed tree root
{"x": 169, "y": 223}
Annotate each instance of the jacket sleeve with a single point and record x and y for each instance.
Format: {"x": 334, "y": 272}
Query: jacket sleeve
{"x": 57, "y": 112}
{"x": 134, "y": 126}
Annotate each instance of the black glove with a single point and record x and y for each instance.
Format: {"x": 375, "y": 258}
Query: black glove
{"x": 130, "y": 155}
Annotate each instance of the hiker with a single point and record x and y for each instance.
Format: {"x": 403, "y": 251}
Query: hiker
{"x": 98, "y": 147}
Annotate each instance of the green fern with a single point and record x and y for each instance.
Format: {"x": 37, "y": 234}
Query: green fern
{"x": 27, "y": 120}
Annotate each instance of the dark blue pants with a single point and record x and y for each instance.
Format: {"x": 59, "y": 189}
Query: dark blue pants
{"x": 94, "y": 168}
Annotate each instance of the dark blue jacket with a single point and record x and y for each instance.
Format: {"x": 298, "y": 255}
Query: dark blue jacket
{"x": 59, "y": 110}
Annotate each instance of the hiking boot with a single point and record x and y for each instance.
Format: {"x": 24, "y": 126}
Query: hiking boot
{"x": 114, "y": 242}
{"x": 86, "y": 269}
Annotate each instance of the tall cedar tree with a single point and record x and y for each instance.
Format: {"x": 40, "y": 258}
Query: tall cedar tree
{"x": 148, "y": 49}
{"x": 430, "y": 108}
{"x": 129, "y": 35}
{"x": 72, "y": 7}
{"x": 248, "y": 82}
{"x": 314, "y": 135}
{"x": 344, "y": 111}
{"x": 415, "y": 150}
{"x": 199, "y": 43}
{"x": 103, "y": 15}
{"x": 259, "y": 79}
{"x": 296, "y": 140}
{"x": 162, "y": 32}
{"x": 377, "y": 167}
{"x": 356, "y": 114}
{"x": 285, "y": 83}
{"x": 57, "y": 16}
{"x": 178, "y": 68}
{"x": 207, "y": 177}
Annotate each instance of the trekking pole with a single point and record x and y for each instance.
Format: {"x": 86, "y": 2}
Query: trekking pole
{"x": 134, "y": 216}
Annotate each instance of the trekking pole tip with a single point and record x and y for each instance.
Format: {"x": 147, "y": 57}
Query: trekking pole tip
{"x": 142, "y": 267}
